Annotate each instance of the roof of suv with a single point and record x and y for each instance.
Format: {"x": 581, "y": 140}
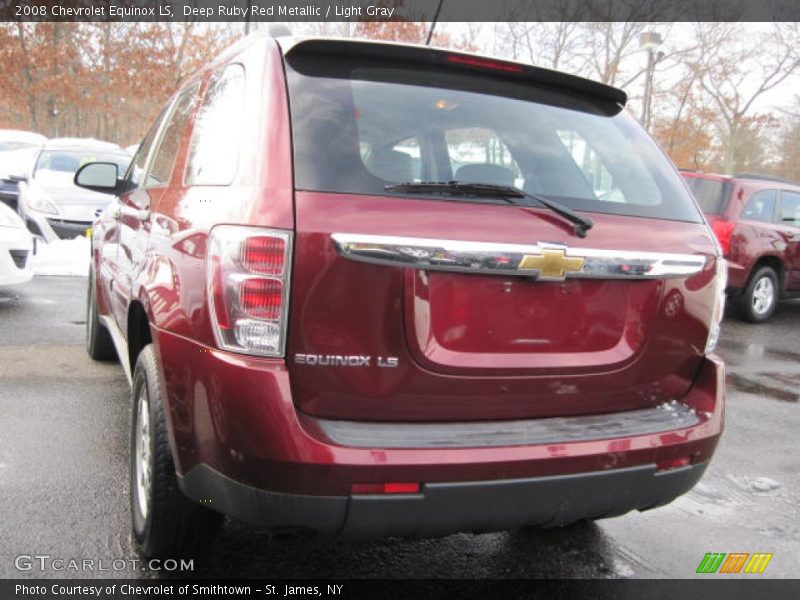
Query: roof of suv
{"x": 750, "y": 177}
{"x": 82, "y": 144}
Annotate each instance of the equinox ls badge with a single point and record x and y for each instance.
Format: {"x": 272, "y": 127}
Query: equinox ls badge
{"x": 337, "y": 360}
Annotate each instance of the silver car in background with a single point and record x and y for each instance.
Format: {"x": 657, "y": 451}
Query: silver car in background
{"x": 52, "y": 206}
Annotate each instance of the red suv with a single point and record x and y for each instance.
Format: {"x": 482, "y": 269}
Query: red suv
{"x": 369, "y": 289}
{"x": 757, "y": 223}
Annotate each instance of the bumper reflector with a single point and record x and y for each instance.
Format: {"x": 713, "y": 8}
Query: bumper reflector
{"x": 673, "y": 463}
{"x": 385, "y": 488}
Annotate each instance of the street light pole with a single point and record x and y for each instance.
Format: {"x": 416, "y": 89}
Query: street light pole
{"x": 649, "y": 40}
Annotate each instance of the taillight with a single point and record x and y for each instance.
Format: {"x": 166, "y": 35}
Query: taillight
{"x": 483, "y": 63}
{"x": 261, "y": 297}
{"x": 248, "y": 288}
{"x": 264, "y": 254}
{"x": 718, "y": 311}
{"x": 723, "y": 229}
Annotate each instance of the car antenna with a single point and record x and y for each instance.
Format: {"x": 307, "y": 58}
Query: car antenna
{"x": 433, "y": 23}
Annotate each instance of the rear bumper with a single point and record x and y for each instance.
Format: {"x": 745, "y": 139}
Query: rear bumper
{"x": 242, "y": 447}
{"x": 66, "y": 230}
{"x": 50, "y": 228}
{"x": 442, "y": 508}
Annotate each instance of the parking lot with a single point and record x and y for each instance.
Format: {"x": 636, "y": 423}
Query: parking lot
{"x": 64, "y": 484}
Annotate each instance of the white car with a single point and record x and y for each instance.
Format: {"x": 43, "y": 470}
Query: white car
{"x": 16, "y": 139}
{"x": 52, "y": 206}
{"x": 16, "y": 248}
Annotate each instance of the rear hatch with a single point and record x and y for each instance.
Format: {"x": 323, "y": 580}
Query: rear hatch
{"x": 711, "y": 192}
{"x": 420, "y": 306}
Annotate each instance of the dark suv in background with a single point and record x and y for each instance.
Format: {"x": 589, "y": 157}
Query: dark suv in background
{"x": 757, "y": 222}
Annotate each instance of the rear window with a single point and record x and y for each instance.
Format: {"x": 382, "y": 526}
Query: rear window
{"x": 790, "y": 208}
{"x": 711, "y": 195}
{"x": 359, "y": 125}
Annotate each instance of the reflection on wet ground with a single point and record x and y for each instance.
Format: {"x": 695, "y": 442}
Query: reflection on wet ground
{"x": 764, "y": 360}
{"x": 746, "y": 352}
{"x": 7, "y": 297}
{"x": 753, "y": 385}
{"x": 580, "y": 550}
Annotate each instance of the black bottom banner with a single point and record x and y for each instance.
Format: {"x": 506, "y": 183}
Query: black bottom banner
{"x": 384, "y": 589}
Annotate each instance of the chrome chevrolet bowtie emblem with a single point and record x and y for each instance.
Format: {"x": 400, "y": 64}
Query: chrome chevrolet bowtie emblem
{"x": 552, "y": 263}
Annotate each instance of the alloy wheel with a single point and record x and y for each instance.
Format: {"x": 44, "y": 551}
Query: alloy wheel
{"x": 763, "y": 295}
{"x": 143, "y": 473}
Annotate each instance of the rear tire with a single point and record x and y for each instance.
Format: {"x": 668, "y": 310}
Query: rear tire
{"x": 166, "y": 524}
{"x": 759, "y": 299}
{"x": 99, "y": 345}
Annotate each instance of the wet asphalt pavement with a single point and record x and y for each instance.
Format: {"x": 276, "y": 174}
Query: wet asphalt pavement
{"x": 64, "y": 485}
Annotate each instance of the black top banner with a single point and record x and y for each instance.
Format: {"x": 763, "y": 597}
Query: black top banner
{"x": 399, "y": 10}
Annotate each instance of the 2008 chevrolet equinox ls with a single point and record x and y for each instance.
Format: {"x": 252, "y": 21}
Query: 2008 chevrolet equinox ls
{"x": 369, "y": 289}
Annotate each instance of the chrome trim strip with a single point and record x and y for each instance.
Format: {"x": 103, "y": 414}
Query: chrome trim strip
{"x": 542, "y": 261}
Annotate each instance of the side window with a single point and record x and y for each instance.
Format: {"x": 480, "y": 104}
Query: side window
{"x": 760, "y": 207}
{"x": 139, "y": 161}
{"x": 214, "y": 150}
{"x": 790, "y": 208}
{"x": 164, "y": 158}
{"x": 478, "y": 155}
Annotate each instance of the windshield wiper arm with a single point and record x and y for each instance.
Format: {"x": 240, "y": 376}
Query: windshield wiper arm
{"x": 580, "y": 223}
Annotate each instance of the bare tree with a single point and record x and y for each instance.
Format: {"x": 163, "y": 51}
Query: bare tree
{"x": 607, "y": 45}
{"x": 735, "y": 70}
{"x": 552, "y": 45}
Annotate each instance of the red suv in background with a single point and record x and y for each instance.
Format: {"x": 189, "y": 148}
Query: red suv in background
{"x": 370, "y": 289}
{"x": 757, "y": 222}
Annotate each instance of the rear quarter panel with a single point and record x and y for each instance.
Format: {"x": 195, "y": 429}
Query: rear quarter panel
{"x": 172, "y": 284}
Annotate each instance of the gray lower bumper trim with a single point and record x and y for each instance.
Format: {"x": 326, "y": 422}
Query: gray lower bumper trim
{"x": 444, "y": 508}
{"x": 324, "y": 514}
{"x": 528, "y": 432}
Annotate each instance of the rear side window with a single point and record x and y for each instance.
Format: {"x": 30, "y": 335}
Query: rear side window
{"x": 360, "y": 124}
{"x": 711, "y": 195}
{"x": 214, "y": 150}
{"x": 164, "y": 159}
{"x": 790, "y": 208}
{"x": 760, "y": 207}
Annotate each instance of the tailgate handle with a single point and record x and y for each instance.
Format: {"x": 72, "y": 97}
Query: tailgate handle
{"x": 541, "y": 261}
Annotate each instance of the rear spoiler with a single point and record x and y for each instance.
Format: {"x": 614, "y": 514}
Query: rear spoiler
{"x": 457, "y": 60}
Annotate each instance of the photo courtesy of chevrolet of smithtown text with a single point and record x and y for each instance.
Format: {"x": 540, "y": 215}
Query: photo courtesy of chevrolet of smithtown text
{"x": 399, "y": 298}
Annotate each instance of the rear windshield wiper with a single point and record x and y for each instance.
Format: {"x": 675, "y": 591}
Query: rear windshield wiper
{"x": 508, "y": 193}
